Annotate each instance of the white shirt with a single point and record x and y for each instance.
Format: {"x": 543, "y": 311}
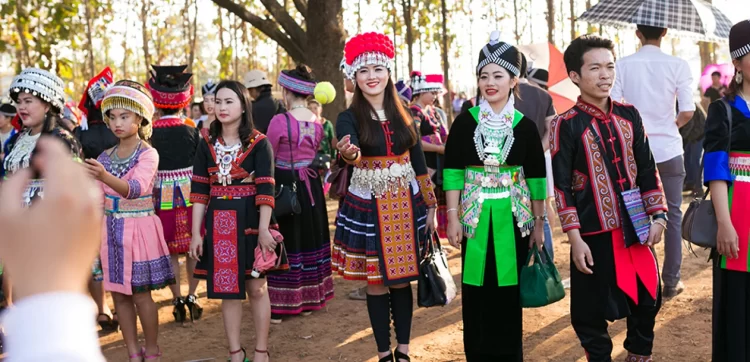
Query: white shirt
{"x": 52, "y": 327}
{"x": 651, "y": 81}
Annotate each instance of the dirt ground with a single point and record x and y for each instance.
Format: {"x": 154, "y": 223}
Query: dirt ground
{"x": 342, "y": 331}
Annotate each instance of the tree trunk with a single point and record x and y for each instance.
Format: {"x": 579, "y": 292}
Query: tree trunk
{"x": 395, "y": 38}
{"x": 324, "y": 19}
{"x": 515, "y": 22}
{"x": 551, "y": 21}
{"x": 573, "y": 32}
{"x": 145, "y": 9}
{"x": 25, "y": 60}
{"x": 91, "y": 71}
{"x": 447, "y": 104}
{"x": 406, "y": 4}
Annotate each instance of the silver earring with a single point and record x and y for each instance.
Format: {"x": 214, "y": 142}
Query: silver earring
{"x": 738, "y": 77}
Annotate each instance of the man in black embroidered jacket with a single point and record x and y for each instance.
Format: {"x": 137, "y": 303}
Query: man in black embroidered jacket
{"x": 599, "y": 150}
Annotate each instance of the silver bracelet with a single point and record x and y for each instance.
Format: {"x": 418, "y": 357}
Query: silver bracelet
{"x": 452, "y": 209}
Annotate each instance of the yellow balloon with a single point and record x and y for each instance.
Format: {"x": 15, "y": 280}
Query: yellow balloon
{"x": 325, "y": 93}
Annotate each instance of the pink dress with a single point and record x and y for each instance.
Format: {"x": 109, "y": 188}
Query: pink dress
{"x": 134, "y": 254}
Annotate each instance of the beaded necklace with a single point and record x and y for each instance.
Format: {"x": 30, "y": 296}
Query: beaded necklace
{"x": 493, "y": 137}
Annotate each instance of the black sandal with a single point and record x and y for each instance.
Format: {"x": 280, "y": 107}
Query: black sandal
{"x": 108, "y": 325}
{"x": 179, "y": 312}
{"x": 388, "y": 358}
{"x": 196, "y": 311}
{"x": 399, "y": 356}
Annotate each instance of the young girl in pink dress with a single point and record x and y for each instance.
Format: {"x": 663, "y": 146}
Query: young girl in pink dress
{"x": 134, "y": 254}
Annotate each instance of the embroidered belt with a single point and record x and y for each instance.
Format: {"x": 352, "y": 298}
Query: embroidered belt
{"x": 233, "y": 191}
{"x": 739, "y": 166}
{"x": 123, "y": 208}
{"x": 480, "y": 186}
{"x": 286, "y": 165}
{"x": 304, "y": 172}
{"x": 165, "y": 175}
{"x": 173, "y": 188}
{"x": 378, "y": 175}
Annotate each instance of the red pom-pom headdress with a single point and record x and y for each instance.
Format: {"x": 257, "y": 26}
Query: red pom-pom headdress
{"x": 368, "y": 49}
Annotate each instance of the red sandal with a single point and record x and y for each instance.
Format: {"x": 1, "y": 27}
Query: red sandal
{"x": 232, "y": 353}
{"x": 262, "y": 351}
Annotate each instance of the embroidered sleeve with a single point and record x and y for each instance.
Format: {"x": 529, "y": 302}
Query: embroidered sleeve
{"x": 648, "y": 180}
{"x": 562, "y": 165}
{"x": 143, "y": 173}
{"x": 716, "y": 144}
{"x": 427, "y": 189}
{"x": 263, "y": 161}
{"x": 200, "y": 186}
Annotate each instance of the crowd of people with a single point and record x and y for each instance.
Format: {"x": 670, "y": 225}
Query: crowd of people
{"x": 243, "y": 179}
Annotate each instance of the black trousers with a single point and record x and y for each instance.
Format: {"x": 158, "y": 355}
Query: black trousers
{"x": 595, "y": 299}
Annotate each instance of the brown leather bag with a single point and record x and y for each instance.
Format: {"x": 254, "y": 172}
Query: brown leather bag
{"x": 339, "y": 179}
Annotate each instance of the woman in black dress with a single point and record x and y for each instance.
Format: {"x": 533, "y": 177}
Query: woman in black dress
{"x": 726, "y": 160}
{"x": 234, "y": 171}
{"x": 494, "y": 163}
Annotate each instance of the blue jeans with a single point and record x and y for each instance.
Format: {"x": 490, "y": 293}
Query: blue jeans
{"x": 548, "y": 239}
{"x": 693, "y": 153}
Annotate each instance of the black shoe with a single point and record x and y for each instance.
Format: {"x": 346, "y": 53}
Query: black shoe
{"x": 179, "y": 312}
{"x": 398, "y": 356}
{"x": 671, "y": 292}
{"x": 196, "y": 311}
{"x": 388, "y": 358}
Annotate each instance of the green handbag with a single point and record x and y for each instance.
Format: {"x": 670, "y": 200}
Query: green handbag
{"x": 540, "y": 283}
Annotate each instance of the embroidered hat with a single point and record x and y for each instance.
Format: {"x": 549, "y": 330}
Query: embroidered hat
{"x": 291, "y": 79}
{"x": 255, "y": 79}
{"x": 170, "y": 86}
{"x": 368, "y": 49}
{"x": 93, "y": 95}
{"x": 134, "y": 97}
{"x": 404, "y": 91}
{"x": 739, "y": 39}
{"x": 209, "y": 88}
{"x": 40, "y": 83}
{"x": 8, "y": 110}
{"x": 500, "y": 53}
{"x": 426, "y": 83}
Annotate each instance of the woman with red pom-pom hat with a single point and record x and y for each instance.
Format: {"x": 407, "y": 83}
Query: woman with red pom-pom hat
{"x": 390, "y": 206}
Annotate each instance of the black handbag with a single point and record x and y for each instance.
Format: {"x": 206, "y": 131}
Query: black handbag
{"x": 699, "y": 225}
{"x": 321, "y": 161}
{"x": 435, "y": 284}
{"x": 286, "y": 196}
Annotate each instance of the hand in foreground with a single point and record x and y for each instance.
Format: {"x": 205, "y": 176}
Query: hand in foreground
{"x": 431, "y": 221}
{"x": 95, "y": 169}
{"x": 537, "y": 236}
{"x": 266, "y": 241}
{"x": 347, "y": 149}
{"x": 196, "y": 247}
{"x": 581, "y": 255}
{"x": 727, "y": 241}
{"x": 59, "y": 234}
{"x": 455, "y": 231}
{"x": 654, "y": 233}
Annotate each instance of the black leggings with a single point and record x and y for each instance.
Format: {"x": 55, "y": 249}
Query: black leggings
{"x": 399, "y": 303}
